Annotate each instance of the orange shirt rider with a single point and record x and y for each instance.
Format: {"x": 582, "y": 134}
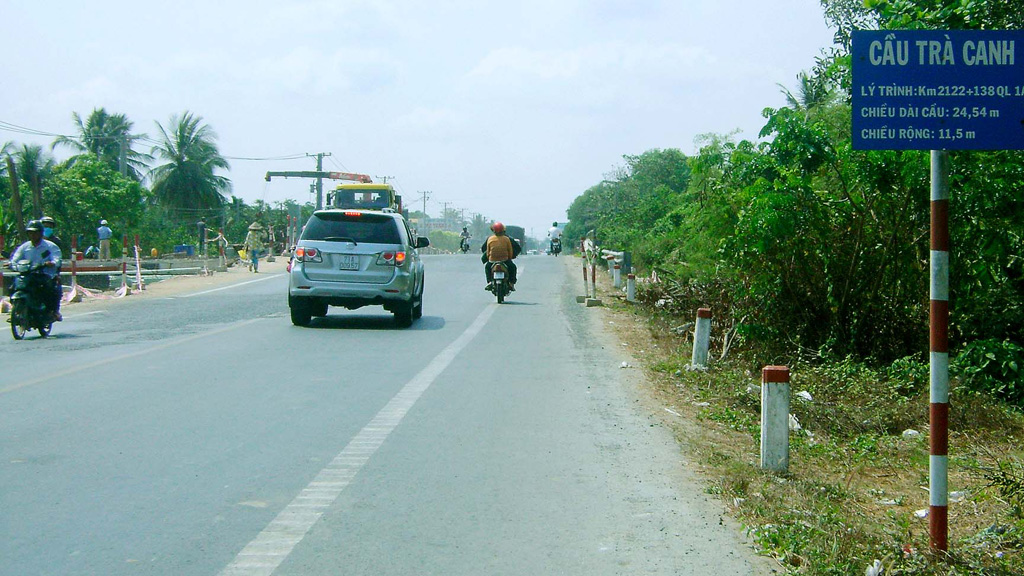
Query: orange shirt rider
{"x": 499, "y": 248}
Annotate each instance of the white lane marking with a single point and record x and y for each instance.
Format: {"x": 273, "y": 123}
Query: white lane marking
{"x": 232, "y": 286}
{"x": 84, "y": 314}
{"x": 271, "y": 546}
{"x": 80, "y": 368}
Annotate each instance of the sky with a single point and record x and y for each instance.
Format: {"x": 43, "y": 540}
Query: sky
{"x": 509, "y": 109}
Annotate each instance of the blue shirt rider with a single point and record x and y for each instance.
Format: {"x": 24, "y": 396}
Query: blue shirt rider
{"x": 40, "y": 251}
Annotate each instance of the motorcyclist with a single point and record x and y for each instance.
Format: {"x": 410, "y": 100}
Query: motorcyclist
{"x": 50, "y": 233}
{"x": 465, "y": 236}
{"x": 499, "y": 248}
{"x": 554, "y": 233}
{"x": 40, "y": 251}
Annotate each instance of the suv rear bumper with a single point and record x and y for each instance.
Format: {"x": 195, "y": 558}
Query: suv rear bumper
{"x": 352, "y": 295}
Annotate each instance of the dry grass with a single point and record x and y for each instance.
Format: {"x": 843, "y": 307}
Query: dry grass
{"x": 855, "y": 482}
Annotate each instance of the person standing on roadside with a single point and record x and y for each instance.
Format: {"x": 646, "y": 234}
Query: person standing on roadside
{"x": 105, "y": 234}
{"x": 201, "y": 226}
{"x": 254, "y": 244}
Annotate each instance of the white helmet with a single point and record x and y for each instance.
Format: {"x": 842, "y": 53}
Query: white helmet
{"x": 103, "y": 222}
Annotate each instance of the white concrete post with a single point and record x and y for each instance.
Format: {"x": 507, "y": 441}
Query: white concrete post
{"x": 630, "y": 288}
{"x": 609, "y": 260}
{"x": 775, "y": 418}
{"x": 617, "y": 276}
{"x": 701, "y": 337}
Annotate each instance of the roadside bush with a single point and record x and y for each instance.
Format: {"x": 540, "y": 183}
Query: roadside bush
{"x": 993, "y": 367}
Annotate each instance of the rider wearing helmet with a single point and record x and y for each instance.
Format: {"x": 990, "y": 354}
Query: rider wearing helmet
{"x": 554, "y": 233}
{"x": 50, "y": 232}
{"x": 500, "y": 248}
{"x": 40, "y": 251}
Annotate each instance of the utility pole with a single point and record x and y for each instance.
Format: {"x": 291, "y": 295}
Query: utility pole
{"x": 444, "y": 215}
{"x": 426, "y": 196}
{"x": 319, "y": 179}
{"x": 384, "y": 179}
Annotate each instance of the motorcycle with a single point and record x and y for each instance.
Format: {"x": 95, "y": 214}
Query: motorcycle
{"x": 28, "y": 301}
{"x": 500, "y": 284}
{"x": 556, "y": 246}
{"x": 464, "y": 245}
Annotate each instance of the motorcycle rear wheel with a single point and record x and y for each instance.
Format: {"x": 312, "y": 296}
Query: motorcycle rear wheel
{"x": 18, "y": 319}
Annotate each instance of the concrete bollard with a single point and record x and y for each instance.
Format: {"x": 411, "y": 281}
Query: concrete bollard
{"x": 775, "y": 418}
{"x": 630, "y": 287}
{"x": 701, "y": 337}
{"x": 617, "y": 276}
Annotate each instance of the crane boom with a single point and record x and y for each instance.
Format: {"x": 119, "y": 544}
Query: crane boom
{"x": 365, "y": 179}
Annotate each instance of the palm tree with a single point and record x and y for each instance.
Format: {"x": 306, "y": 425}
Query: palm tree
{"x": 35, "y": 166}
{"x": 811, "y": 93}
{"x": 102, "y": 135}
{"x": 187, "y": 180}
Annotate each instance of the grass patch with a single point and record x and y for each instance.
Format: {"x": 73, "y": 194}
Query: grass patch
{"x": 858, "y": 468}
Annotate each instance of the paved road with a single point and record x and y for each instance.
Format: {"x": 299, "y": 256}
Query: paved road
{"x": 204, "y": 434}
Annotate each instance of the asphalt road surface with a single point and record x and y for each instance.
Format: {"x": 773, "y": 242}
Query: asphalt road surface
{"x": 203, "y": 434}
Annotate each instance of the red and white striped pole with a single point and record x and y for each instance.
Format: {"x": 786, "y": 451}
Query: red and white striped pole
{"x": 2, "y": 293}
{"x": 74, "y": 264}
{"x": 124, "y": 263}
{"x": 138, "y": 266}
{"x": 938, "y": 509}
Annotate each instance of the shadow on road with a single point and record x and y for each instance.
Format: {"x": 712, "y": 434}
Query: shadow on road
{"x": 383, "y": 322}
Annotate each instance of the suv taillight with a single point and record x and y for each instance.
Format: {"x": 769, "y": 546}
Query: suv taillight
{"x": 303, "y": 254}
{"x": 391, "y": 259}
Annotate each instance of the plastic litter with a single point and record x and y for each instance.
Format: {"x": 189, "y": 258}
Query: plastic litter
{"x": 805, "y": 396}
{"x": 957, "y": 497}
{"x": 922, "y": 513}
{"x": 794, "y": 424}
{"x": 911, "y": 433}
{"x": 875, "y": 569}
{"x": 625, "y": 365}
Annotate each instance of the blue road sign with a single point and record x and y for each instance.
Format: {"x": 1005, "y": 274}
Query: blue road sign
{"x": 938, "y": 90}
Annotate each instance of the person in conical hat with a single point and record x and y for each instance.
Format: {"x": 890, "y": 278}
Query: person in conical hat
{"x": 254, "y": 244}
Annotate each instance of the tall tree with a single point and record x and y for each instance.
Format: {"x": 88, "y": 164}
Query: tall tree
{"x": 102, "y": 135}
{"x": 35, "y": 166}
{"x": 188, "y": 179}
{"x": 12, "y": 175}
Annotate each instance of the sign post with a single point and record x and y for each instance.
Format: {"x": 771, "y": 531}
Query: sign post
{"x": 938, "y": 90}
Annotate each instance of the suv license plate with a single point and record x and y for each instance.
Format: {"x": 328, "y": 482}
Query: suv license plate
{"x": 349, "y": 262}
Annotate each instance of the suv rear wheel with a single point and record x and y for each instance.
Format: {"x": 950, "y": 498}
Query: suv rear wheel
{"x": 404, "y": 314}
{"x": 301, "y": 315}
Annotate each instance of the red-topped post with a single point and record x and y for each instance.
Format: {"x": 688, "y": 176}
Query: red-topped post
{"x": 775, "y": 418}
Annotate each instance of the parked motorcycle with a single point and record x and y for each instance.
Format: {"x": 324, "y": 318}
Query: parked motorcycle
{"x": 500, "y": 284}
{"x": 556, "y": 246}
{"x": 28, "y": 301}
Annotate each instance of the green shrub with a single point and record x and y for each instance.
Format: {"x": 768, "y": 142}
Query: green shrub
{"x": 993, "y": 367}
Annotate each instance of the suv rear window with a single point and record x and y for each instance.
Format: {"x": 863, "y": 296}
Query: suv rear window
{"x": 368, "y": 228}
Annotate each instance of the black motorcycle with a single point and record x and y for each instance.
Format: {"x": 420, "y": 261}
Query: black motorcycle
{"x": 464, "y": 245}
{"x": 556, "y": 246}
{"x": 500, "y": 285}
{"x": 29, "y": 310}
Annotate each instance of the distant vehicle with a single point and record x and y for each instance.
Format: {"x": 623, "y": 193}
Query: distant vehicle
{"x": 356, "y": 258}
{"x": 518, "y": 234}
{"x": 365, "y": 196}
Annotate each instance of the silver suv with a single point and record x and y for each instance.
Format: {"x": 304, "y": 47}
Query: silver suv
{"x": 356, "y": 258}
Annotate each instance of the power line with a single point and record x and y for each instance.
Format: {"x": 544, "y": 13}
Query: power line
{"x": 142, "y": 138}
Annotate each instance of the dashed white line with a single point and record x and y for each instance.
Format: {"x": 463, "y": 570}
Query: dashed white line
{"x": 271, "y": 546}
